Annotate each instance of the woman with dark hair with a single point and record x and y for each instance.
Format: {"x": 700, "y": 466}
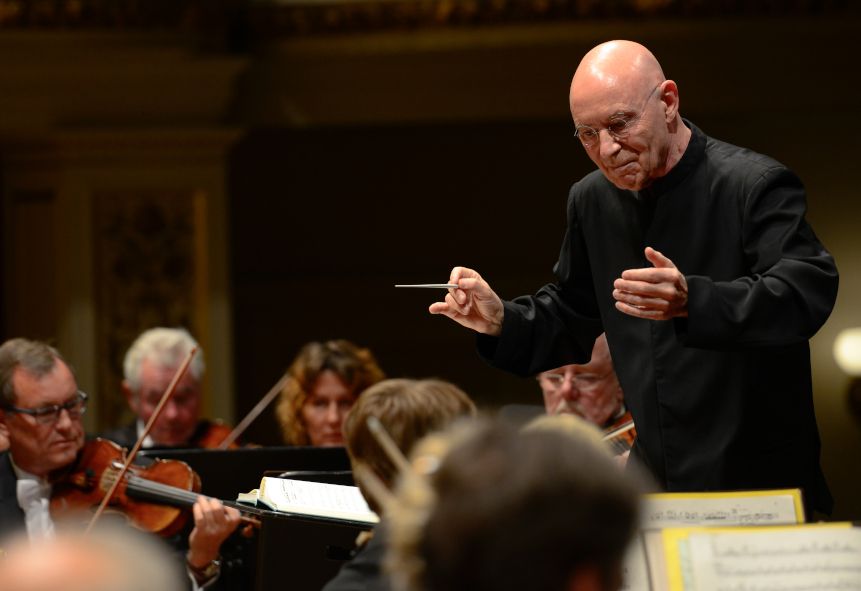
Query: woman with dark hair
{"x": 326, "y": 379}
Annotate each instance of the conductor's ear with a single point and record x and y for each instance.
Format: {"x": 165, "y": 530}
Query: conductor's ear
{"x": 670, "y": 97}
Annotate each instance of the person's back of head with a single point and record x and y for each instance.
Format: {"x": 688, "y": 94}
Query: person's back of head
{"x": 408, "y": 410}
{"x": 543, "y": 509}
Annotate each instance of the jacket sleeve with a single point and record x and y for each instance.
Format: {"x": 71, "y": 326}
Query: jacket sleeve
{"x": 792, "y": 282}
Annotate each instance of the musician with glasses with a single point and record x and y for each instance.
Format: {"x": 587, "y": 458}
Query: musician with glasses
{"x": 591, "y": 391}
{"x": 695, "y": 258}
{"x": 40, "y": 411}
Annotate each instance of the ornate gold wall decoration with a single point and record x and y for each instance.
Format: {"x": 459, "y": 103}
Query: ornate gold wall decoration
{"x": 146, "y": 274}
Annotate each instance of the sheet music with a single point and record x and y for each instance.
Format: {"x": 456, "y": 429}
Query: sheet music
{"x": 728, "y": 509}
{"x": 316, "y": 498}
{"x": 635, "y": 569}
{"x": 806, "y": 558}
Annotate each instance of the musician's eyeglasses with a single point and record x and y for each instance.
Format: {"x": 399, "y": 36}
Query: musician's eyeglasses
{"x": 48, "y": 415}
{"x": 619, "y": 127}
{"x": 553, "y": 382}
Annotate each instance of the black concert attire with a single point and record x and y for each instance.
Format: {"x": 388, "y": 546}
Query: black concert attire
{"x": 722, "y": 399}
{"x": 364, "y": 571}
{"x": 127, "y": 435}
{"x": 11, "y": 514}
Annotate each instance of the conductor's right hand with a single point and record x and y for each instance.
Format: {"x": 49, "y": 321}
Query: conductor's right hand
{"x": 473, "y": 304}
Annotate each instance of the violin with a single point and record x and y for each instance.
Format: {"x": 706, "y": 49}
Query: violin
{"x": 621, "y": 433}
{"x": 155, "y": 498}
{"x": 213, "y": 436}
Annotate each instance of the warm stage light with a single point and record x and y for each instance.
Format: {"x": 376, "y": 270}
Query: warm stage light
{"x": 847, "y": 351}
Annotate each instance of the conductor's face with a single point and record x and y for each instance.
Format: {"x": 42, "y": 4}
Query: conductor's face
{"x": 623, "y": 131}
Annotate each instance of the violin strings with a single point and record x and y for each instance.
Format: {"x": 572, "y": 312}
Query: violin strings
{"x": 159, "y": 490}
{"x": 133, "y": 453}
{"x": 156, "y": 490}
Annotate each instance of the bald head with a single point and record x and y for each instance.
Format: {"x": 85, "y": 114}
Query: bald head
{"x": 627, "y": 114}
{"x": 110, "y": 558}
{"x": 616, "y": 65}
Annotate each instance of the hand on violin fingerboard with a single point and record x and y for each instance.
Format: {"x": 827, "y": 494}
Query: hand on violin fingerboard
{"x": 213, "y": 523}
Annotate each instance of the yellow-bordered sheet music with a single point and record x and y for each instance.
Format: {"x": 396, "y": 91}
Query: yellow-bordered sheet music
{"x": 767, "y": 557}
{"x": 705, "y": 509}
{"x": 728, "y": 508}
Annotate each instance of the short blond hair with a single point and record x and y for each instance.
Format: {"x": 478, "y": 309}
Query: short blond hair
{"x": 408, "y": 410}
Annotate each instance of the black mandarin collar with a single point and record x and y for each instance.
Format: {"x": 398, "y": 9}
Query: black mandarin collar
{"x": 690, "y": 159}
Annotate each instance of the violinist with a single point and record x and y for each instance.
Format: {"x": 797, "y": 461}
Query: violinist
{"x": 148, "y": 368}
{"x": 326, "y": 379}
{"x": 591, "y": 391}
{"x": 40, "y": 410}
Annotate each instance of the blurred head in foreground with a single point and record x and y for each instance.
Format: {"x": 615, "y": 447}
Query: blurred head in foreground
{"x": 544, "y": 509}
{"x": 408, "y": 410}
{"x": 110, "y": 558}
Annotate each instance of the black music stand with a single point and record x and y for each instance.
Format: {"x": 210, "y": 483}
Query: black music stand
{"x": 226, "y": 473}
{"x": 302, "y": 553}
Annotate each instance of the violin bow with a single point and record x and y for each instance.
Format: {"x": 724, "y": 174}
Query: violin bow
{"x": 254, "y": 412}
{"x": 374, "y": 486}
{"x": 388, "y": 444}
{"x": 133, "y": 453}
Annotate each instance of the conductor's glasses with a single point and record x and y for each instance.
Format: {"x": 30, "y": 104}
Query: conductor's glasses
{"x": 48, "y": 415}
{"x": 619, "y": 126}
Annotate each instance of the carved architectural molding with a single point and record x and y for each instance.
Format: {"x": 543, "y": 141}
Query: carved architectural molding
{"x": 292, "y": 17}
{"x": 148, "y": 269}
{"x": 237, "y": 23}
{"x": 137, "y": 228}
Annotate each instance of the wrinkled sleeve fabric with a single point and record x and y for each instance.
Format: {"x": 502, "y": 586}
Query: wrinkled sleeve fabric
{"x": 791, "y": 288}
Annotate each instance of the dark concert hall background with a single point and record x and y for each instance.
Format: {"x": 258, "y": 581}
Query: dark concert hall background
{"x": 263, "y": 172}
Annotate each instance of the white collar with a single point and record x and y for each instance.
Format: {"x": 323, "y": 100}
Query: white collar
{"x": 148, "y": 442}
{"x": 22, "y": 474}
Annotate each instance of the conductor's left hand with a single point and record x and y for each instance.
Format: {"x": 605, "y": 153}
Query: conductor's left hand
{"x": 654, "y": 293}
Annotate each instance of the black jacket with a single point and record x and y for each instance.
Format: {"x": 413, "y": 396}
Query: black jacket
{"x": 722, "y": 399}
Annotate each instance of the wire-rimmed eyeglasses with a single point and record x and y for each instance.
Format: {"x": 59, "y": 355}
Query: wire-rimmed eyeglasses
{"x": 553, "y": 382}
{"x": 619, "y": 126}
{"x": 47, "y": 415}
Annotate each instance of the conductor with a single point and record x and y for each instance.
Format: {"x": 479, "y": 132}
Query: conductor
{"x": 695, "y": 258}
